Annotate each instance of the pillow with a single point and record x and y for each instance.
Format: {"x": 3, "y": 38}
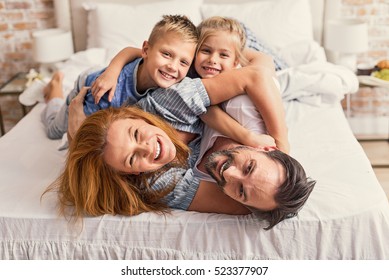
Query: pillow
{"x": 115, "y": 26}
{"x": 278, "y": 22}
{"x": 303, "y": 52}
{"x": 253, "y": 42}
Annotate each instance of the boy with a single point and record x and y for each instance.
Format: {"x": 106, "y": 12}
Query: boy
{"x": 166, "y": 58}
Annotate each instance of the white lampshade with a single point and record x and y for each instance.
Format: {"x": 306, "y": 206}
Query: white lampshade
{"x": 346, "y": 38}
{"x": 52, "y": 45}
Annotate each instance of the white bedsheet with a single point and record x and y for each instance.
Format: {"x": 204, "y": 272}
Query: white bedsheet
{"x": 346, "y": 217}
{"x": 318, "y": 83}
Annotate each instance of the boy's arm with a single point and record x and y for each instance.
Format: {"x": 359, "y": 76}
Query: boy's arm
{"x": 258, "y": 83}
{"x": 107, "y": 81}
{"x": 219, "y": 120}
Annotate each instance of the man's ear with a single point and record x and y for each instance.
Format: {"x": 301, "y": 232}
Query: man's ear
{"x": 267, "y": 148}
{"x": 145, "y": 49}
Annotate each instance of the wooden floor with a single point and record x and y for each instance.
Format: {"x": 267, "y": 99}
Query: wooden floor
{"x": 378, "y": 154}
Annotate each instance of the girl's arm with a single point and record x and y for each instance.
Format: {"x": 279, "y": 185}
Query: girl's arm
{"x": 258, "y": 83}
{"x": 256, "y": 58}
{"x": 106, "y": 82}
{"x": 219, "y": 120}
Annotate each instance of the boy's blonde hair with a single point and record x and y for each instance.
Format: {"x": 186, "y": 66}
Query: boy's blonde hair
{"x": 178, "y": 24}
{"x": 212, "y": 25}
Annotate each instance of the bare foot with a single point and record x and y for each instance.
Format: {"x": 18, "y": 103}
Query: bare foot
{"x": 54, "y": 88}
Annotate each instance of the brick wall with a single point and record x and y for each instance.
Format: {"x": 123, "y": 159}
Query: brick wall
{"x": 370, "y": 102}
{"x": 376, "y": 14}
{"x": 18, "y": 20}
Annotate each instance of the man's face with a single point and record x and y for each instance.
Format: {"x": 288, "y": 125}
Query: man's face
{"x": 247, "y": 175}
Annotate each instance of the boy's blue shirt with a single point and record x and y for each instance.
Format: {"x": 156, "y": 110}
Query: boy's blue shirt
{"x": 125, "y": 93}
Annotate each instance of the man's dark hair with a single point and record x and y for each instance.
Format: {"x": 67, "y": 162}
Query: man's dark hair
{"x": 292, "y": 194}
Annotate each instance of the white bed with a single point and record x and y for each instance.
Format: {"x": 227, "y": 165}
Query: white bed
{"x": 346, "y": 216}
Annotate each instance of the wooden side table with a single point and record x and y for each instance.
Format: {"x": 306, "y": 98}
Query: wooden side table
{"x": 367, "y": 112}
{"x": 14, "y": 86}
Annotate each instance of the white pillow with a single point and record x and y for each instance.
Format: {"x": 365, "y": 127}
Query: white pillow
{"x": 277, "y": 22}
{"x": 115, "y": 26}
{"x": 302, "y": 52}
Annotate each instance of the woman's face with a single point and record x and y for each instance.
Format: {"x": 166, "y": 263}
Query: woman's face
{"x": 134, "y": 146}
{"x": 215, "y": 55}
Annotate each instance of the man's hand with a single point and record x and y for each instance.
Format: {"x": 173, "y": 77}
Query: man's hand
{"x": 76, "y": 113}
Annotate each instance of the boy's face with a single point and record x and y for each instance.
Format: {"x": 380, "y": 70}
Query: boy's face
{"x": 168, "y": 60}
{"x": 215, "y": 55}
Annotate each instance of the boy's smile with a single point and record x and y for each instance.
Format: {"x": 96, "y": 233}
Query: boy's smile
{"x": 166, "y": 62}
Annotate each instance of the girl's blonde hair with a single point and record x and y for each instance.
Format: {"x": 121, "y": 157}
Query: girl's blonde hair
{"x": 213, "y": 25}
{"x": 177, "y": 24}
{"x": 89, "y": 186}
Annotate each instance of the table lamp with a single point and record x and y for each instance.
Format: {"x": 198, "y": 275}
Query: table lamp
{"x": 346, "y": 38}
{"x": 51, "y": 46}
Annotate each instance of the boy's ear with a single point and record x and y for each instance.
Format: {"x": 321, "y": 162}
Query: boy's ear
{"x": 145, "y": 48}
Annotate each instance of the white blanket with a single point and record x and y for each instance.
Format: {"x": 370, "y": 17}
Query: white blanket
{"x": 317, "y": 83}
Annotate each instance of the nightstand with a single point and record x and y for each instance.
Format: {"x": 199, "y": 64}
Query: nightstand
{"x": 15, "y": 86}
{"x": 367, "y": 111}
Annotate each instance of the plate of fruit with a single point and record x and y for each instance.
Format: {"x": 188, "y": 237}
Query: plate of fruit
{"x": 379, "y": 76}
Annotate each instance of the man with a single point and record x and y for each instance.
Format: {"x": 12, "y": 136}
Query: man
{"x": 265, "y": 180}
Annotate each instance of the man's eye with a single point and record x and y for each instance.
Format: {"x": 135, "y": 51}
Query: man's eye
{"x": 241, "y": 191}
{"x": 249, "y": 168}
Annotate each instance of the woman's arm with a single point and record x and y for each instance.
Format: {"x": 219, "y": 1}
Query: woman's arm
{"x": 106, "y": 82}
{"x": 76, "y": 113}
{"x": 219, "y": 120}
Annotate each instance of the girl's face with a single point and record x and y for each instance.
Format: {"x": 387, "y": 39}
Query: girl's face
{"x": 215, "y": 55}
{"x": 134, "y": 146}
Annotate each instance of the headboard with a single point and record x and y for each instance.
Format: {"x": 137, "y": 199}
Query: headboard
{"x": 71, "y": 15}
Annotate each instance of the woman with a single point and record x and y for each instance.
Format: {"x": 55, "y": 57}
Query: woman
{"x": 96, "y": 188}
